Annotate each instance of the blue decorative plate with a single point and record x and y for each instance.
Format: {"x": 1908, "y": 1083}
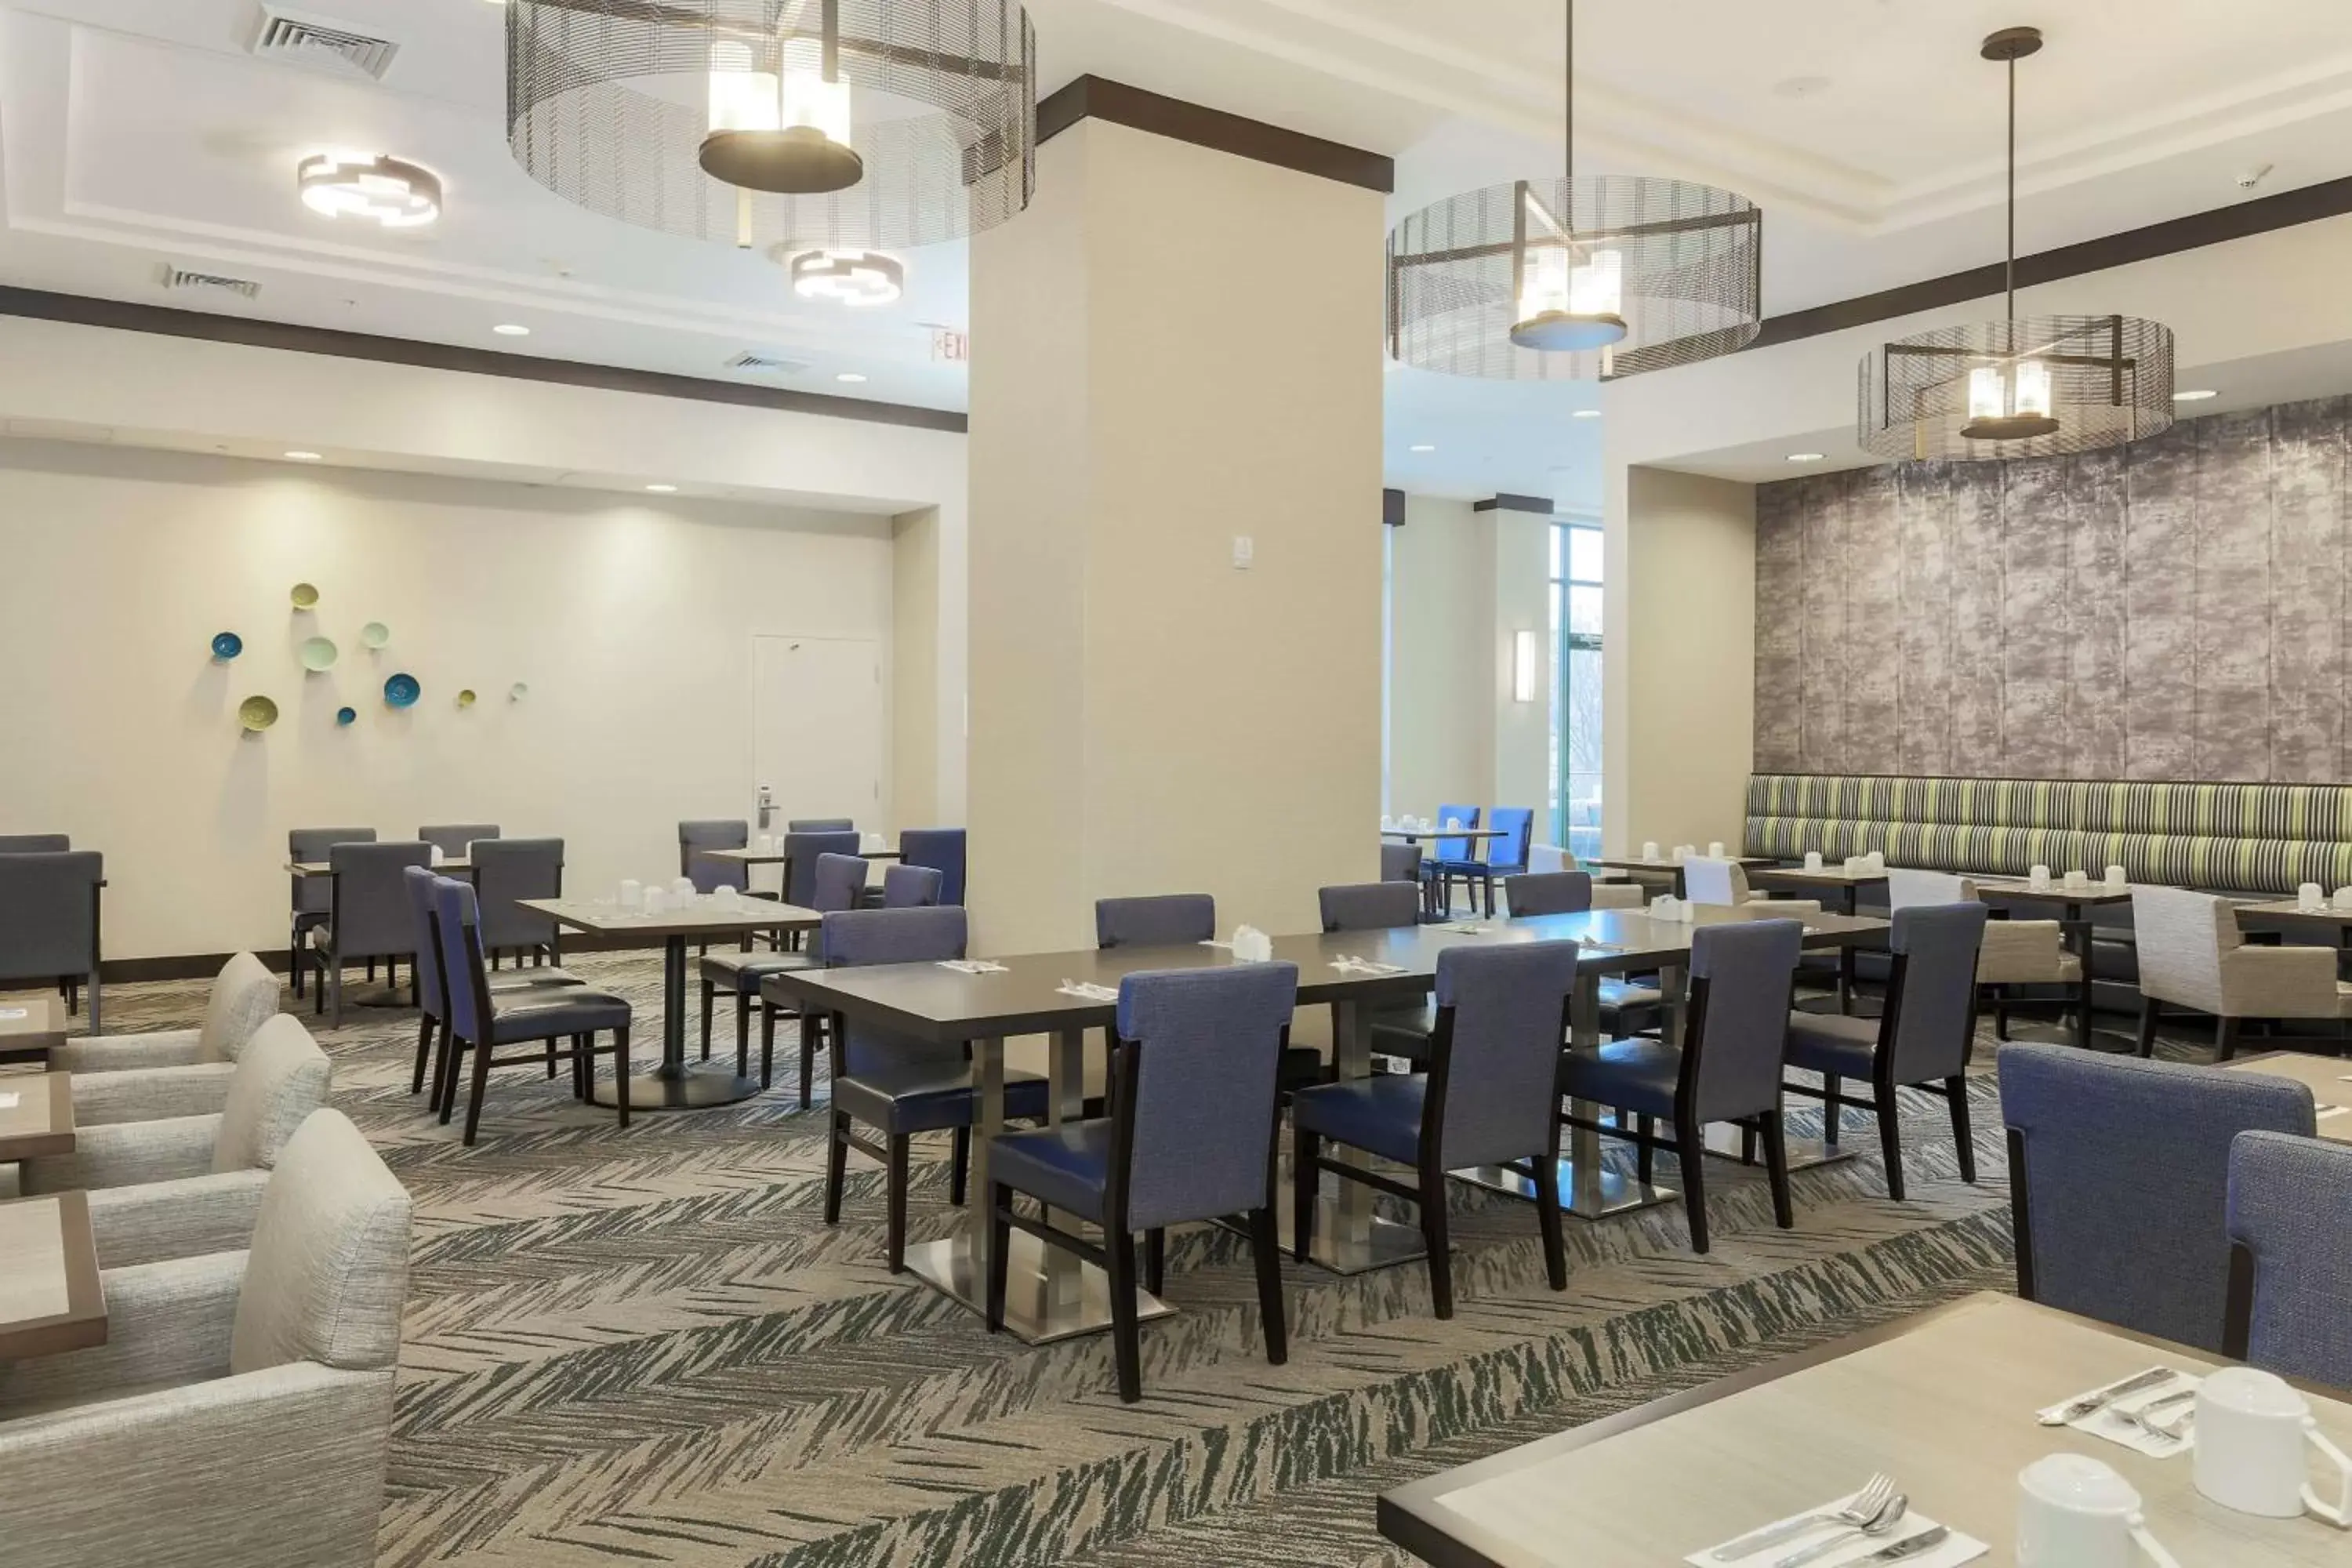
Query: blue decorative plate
{"x": 227, "y": 645}
{"x": 402, "y": 691}
{"x": 347, "y": 715}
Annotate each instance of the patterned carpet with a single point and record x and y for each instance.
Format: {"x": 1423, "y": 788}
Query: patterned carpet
{"x": 646, "y": 1347}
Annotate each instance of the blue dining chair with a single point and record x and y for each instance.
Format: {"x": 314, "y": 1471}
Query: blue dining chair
{"x": 1448, "y": 856}
{"x": 1488, "y": 1099}
{"x": 2290, "y": 1260}
{"x": 1504, "y": 857}
{"x": 913, "y": 887}
{"x": 314, "y": 897}
{"x": 432, "y": 1014}
{"x": 1191, "y": 1136}
{"x": 941, "y": 850}
{"x": 835, "y": 882}
{"x": 1159, "y": 919}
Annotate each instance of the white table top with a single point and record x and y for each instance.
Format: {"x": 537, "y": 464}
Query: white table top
{"x": 703, "y": 918}
{"x": 777, "y": 856}
{"x": 457, "y": 868}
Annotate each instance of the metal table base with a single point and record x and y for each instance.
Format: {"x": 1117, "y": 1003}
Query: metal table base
{"x": 1049, "y": 1294}
{"x": 678, "y": 1084}
{"x": 1603, "y": 1192}
{"x": 1727, "y": 1141}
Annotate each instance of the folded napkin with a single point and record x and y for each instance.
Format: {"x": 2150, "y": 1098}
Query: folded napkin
{"x": 1956, "y": 1548}
{"x": 15, "y": 1012}
{"x": 10, "y": 1101}
{"x": 2104, "y": 1423}
{"x": 1351, "y": 964}
{"x": 1088, "y": 990}
{"x": 971, "y": 966}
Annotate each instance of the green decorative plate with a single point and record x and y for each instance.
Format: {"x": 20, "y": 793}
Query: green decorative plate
{"x": 375, "y": 634}
{"x": 304, "y": 596}
{"x": 518, "y": 691}
{"x": 466, "y": 698}
{"x": 256, "y": 713}
{"x": 318, "y": 653}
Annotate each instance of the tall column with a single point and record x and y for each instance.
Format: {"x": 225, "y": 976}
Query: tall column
{"x": 1176, "y": 349}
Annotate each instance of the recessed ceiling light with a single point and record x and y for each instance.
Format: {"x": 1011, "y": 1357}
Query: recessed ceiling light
{"x": 850, "y": 376}
{"x": 1424, "y": 449}
{"x": 394, "y": 192}
{"x": 853, "y": 278}
{"x": 1807, "y": 456}
{"x": 304, "y": 457}
{"x": 2198, "y": 394}
{"x": 662, "y": 489}
{"x": 1584, "y": 414}
{"x": 510, "y": 329}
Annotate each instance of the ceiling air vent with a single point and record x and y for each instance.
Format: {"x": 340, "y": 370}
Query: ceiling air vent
{"x": 756, "y": 363}
{"x": 178, "y": 279}
{"x": 323, "y": 42}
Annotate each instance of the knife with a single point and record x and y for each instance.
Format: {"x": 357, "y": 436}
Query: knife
{"x": 1909, "y": 1546}
{"x": 2099, "y": 1399}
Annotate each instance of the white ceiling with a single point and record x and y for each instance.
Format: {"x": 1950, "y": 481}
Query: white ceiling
{"x": 139, "y": 132}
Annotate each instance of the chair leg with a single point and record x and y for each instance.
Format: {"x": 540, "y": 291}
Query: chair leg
{"x": 1646, "y": 1154}
{"x": 2082, "y": 1012}
{"x": 551, "y": 1057}
{"x": 836, "y": 1167}
{"x": 1964, "y": 1142}
{"x": 371, "y": 971}
{"x": 423, "y": 1046}
{"x": 294, "y": 959}
{"x": 809, "y": 1031}
{"x": 1776, "y": 1169}
{"x": 621, "y": 1071}
{"x": 1155, "y": 1261}
{"x": 767, "y": 1045}
{"x": 2148, "y": 1017}
{"x": 1000, "y": 1205}
{"x": 1832, "y": 1108}
{"x": 895, "y": 1243}
{"x": 742, "y": 1034}
{"x": 2000, "y": 1013}
{"x": 97, "y": 994}
{"x": 960, "y": 1166}
{"x": 2225, "y": 1038}
{"x": 710, "y": 998}
{"x": 1306, "y": 1179}
{"x": 1266, "y": 1252}
{"x": 1692, "y": 1158}
{"x": 583, "y": 1065}
{"x": 1554, "y": 1244}
{"x": 449, "y": 1064}
{"x": 1433, "y": 1237}
{"x": 481, "y": 1087}
{"x": 1127, "y": 1336}
{"x": 1890, "y": 1139}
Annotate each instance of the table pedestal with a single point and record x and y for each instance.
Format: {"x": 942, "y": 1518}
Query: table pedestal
{"x": 677, "y": 1083}
{"x": 1729, "y": 1143}
{"x": 1049, "y": 1294}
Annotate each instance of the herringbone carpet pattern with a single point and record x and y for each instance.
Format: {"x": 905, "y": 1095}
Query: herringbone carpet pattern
{"x": 646, "y": 1347}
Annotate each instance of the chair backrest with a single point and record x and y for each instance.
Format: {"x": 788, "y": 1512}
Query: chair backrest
{"x": 316, "y": 895}
{"x": 465, "y": 979}
{"x": 1547, "y": 893}
{"x": 372, "y": 912}
{"x": 453, "y": 839}
{"x": 421, "y": 886}
{"x": 1160, "y": 919}
{"x": 1502, "y": 1021}
{"x": 282, "y": 1076}
{"x": 506, "y": 870}
{"x": 1742, "y": 979}
{"x": 2119, "y": 1179}
{"x": 820, "y": 825}
{"x": 1194, "y": 1094}
{"x": 1518, "y": 823}
{"x": 908, "y": 886}
{"x": 1929, "y": 1026}
{"x": 1907, "y": 887}
{"x": 1370, "y": 906}
{"x": 720, "y": 833}
{"x": 1454, "y": 848}
{"x": 48, "y": 913}
{"x": 2180, "y": 937}
{"x": 2291, "y": 1284}
{"x": 1400, "y": 862}
{"x": 327, "y": 1272}
{"x": 854, "y": 938}
{"x": 836, "y": 882}
{"x": 803, "y": 851}
{"x": 1711, "y": 881}
{"x": 941, "y": 850}
{"x": 243, "y": 997}
{"x": 35, "y": 843}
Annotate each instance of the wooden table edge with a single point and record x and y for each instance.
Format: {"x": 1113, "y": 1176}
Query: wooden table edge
{"x": 83, "y": 1324}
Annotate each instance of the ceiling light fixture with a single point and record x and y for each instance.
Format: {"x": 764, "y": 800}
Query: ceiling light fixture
{"x": 1424, "y": 449}
{"x": 859, "y": 278}
{"x": 1807, "y": 456}
{"x": 511, "y": 330}
{"x": 662, "y": 489}
{"x": 1584, "y": 414}
{"x": 845, "y": 125}
{"x": 304, "y": 457}
{"x": 2018, "y": 387}
{"x": 2196, "y": 394}
{"x": 1575, "y": 278}
{"x": 849, "y": 376}
{"x": 390, "y": 191}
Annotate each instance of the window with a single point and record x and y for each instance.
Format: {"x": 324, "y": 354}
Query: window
{"x": 1576, "y": 579}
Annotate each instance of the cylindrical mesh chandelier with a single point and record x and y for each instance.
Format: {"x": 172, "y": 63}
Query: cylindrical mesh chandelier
{"x": 842, "y": 124}
{"x": 2018, "y": 387}
{"x": 1575, "y": 278}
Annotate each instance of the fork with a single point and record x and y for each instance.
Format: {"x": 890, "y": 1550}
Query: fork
{"x": 1874, "y": 1496}
{"x": 2144, "y": 1417}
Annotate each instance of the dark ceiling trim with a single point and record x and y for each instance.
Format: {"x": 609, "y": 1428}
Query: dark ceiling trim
{"x": 1100, "y": 98}
{"x": 2330, "y": 198}
{"x": 1541, "y": 505}
{"x": 123, "y": 316}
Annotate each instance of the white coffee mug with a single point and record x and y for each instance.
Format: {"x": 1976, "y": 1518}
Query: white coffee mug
{"x": 440, "y": 856}
{"x": 1715, "y": 850}
{"x": 1812, "y": 859}
{"x": 2343, "y": 899}
{"x": 1387, "y": 823}
{"x": 2252, "y": 1429}
{"x": 633, "y": 893}
{"x": 681, "y": 889}
{"x": 725, "y": 896}
{"x": 2117, "y": 879}
{"x": 2038, "y": 877}
{"x": 1875, "y": 862}
{"x": 1855, "y": 865}
{"x": 2311, "y": 898}
{"x": 874, "y": 841}
{"x": 2077, "y": 879}
{"x": 2074, "y": 1512}
{"x": 656, "y": 901}
{"x": 768, "y": 841}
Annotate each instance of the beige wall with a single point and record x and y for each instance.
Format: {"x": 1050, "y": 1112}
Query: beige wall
{"x": 1177, "y": 347}
{"x": 1681, "y": 660}
{"x": 914, "y": 693}
{"x": 630, "y": 621}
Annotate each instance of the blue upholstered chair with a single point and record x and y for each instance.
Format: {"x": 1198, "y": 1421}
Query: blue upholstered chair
{"x": 1727, "y": 1068}
{"x": 35, "y": 843}
{"x": 480, "y": 1020}
{"x": 1487, "y": 1100}
{"x": 941, "y": 850}
{"x": 2118, "y": 1181}
{"x": 313, "y": 897}
{"x": 49, "y": 921}
{"x": 1401, "y": 1030}
{"x": 710, "y": 876}
{"x": 432, "y": 1015}
{"x": 820, "y": 825}
{"x": 1504, "y": 857}
{"x": 1922, "y": 1037}
{"x": 2290, "y": 1300}
{"x": 908, "y": 886}
{"x": 1453, "y": 856}
{"x": 835, "y": 882}
{"x": 896, "y": 1085}
{"x": 456, "y": 839}
{"x": 1160, "y": 919}
{"x": 1547, "y": 893}
{"x": 802, "y": 848}
{"x": 507, "y": 870}
{"x": 1191, "y": 1136}
{"x": 367, "y": 917}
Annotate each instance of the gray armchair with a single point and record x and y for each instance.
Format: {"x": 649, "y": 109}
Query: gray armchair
{"x": 170, "y": 1072}
{"x": 220, "y": 1373}
{"x": 49, "y": 921}
{"x": 187, "y": 1185}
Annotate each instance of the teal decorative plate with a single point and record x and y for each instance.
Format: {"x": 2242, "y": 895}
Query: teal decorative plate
{"x": 227, "y": 645}
{"x": 347, "y": 715}
{"x": 402, "y": 691}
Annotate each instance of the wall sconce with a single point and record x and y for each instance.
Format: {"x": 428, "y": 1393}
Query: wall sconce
{"x": 1523, "y": 667}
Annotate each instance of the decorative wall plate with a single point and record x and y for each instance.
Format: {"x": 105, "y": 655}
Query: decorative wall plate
{"x": 347, "y": 715}
{"x": 402, "y": 691}
{"x": 304, "y": 596}
{"x": 227, "y": 645}
{"x": 375, "y": 634}
{"x": 256, "y": 713}
{"x": 466, "y": 698}
{"x": 317, "y": 654}
{"x": 518, "y": 691}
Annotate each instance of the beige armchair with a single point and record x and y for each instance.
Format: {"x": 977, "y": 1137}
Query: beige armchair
{"x": 172, "y": 1072}
{"x": 2192, "y": 956}
{"x": 1725, "y": 882}
{"x": 1618, "y": 895}
{"x": 189, "y": 1184}
{"x": 2015, "y": 952}
{"x": 240, "y": 1412}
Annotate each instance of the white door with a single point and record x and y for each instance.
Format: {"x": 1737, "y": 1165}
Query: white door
{"x": 816, "y": 731}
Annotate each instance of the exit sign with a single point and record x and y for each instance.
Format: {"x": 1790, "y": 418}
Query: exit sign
{"x": 951, "y": 346}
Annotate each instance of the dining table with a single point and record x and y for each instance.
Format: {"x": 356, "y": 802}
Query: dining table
{"x": 1838, "y": 889}
{"x": 32, "y": 1024}
{"x": 677, "y": 1083}
{"x": 52, "y": 1299}
{"x": 36, "y": 1115}
{"x": 455, "y": 866}
{"x": 1651, "y": 865}
{"x": 1944, "y": 1403}
{"x": 2077, "y": 904}
{"x": 2329, "y": 1078}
